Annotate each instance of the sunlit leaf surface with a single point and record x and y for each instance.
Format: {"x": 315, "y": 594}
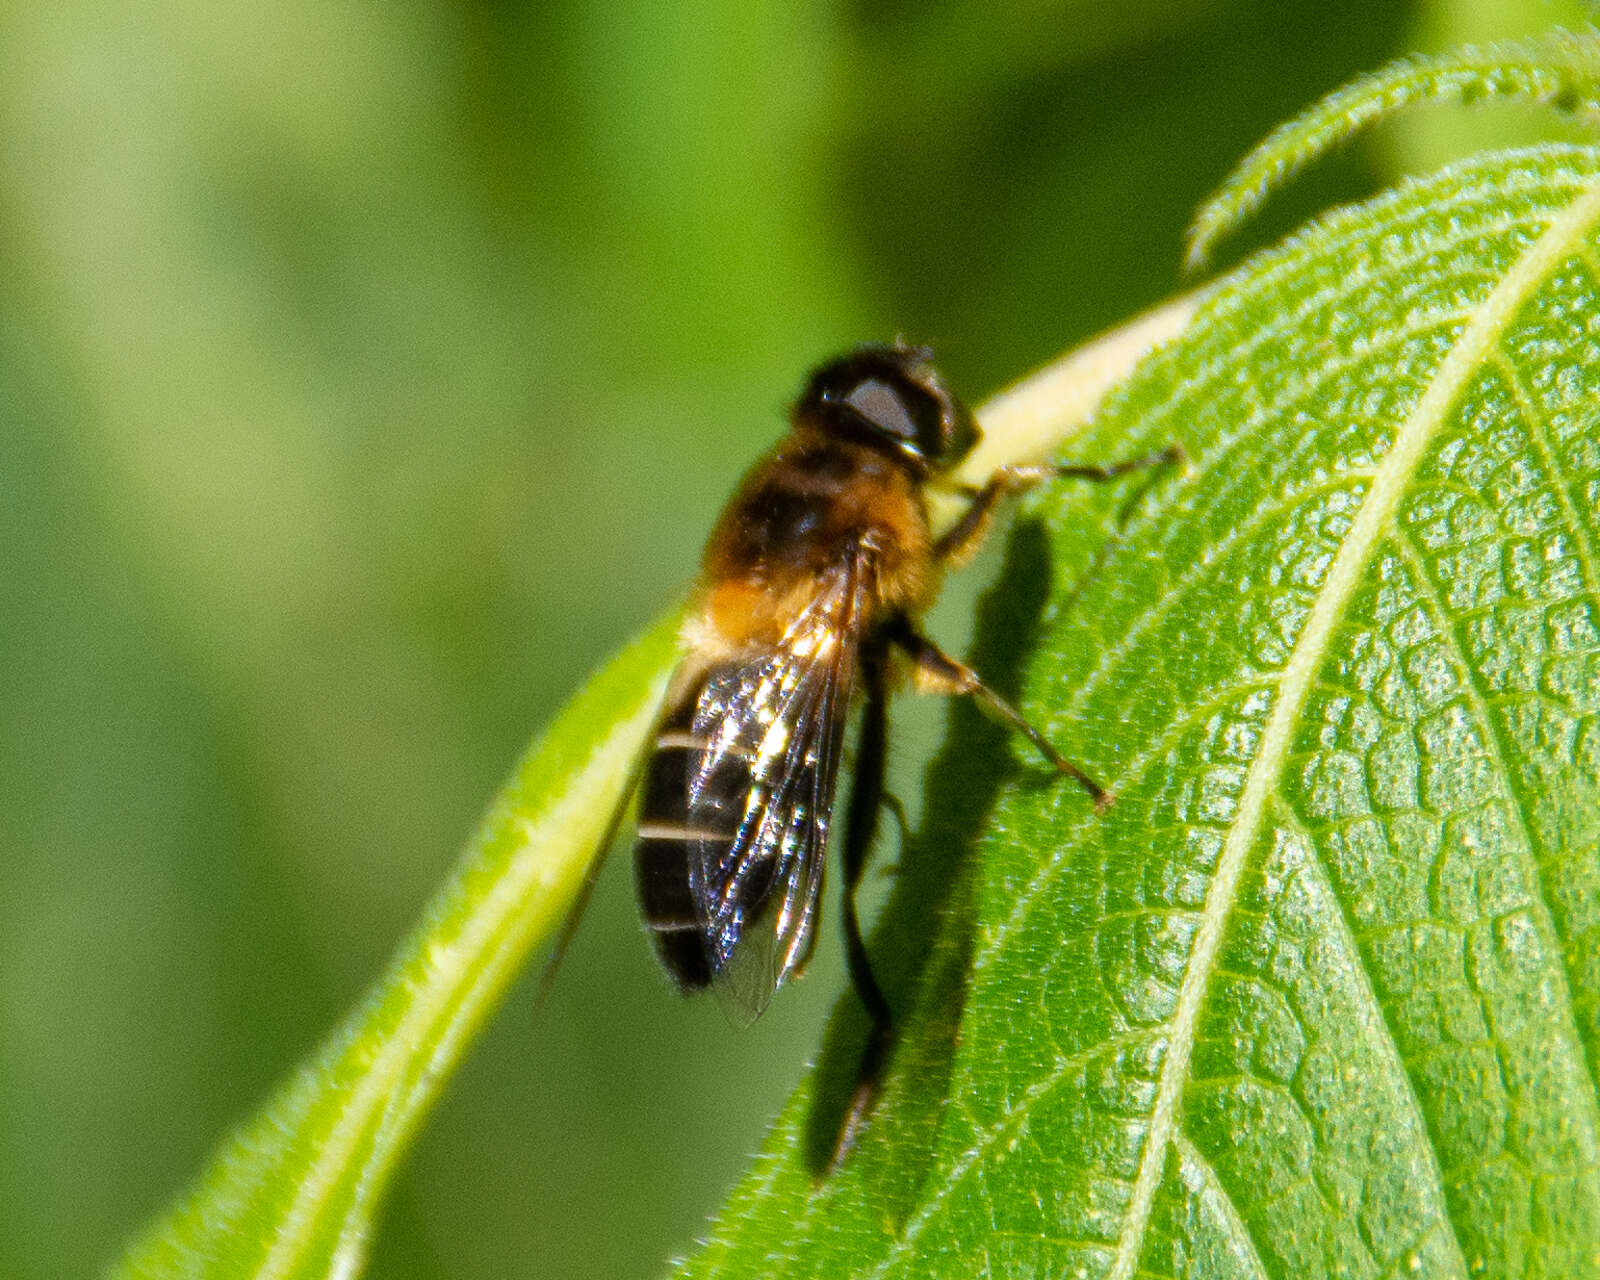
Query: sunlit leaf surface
{"x": 1318, "y": 995}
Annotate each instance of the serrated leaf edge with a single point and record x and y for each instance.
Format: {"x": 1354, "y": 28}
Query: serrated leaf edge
{"x": 1559, "y": 70}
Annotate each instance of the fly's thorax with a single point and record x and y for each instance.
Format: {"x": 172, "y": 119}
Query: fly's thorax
{"x": 812, "y": 504}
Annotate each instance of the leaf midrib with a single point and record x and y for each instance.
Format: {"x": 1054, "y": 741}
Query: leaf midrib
{"x": 1338, "y": 589}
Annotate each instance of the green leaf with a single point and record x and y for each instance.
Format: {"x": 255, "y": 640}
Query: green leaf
{"x": 294, "y": 1192}
{"x": 1319, "y": 994}
{"x": 1559, "y": 70}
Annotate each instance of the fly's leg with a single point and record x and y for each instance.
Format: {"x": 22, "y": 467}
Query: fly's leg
{"x": 962, "y": 539}
{"x": 937, "y": 672}
{"x": 897, "y": 811}
{"x": 861, "y": 824}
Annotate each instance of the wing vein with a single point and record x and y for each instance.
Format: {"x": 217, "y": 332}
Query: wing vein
{"x": 775, "y": 722}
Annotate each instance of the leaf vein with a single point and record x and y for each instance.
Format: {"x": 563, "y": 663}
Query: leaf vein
{"x": 993, "y": 939}
{"x": 1013, "y": 1120}
{"x": 1540, "y": 905}
{"x": 1218, "y": 461}
{"x": 1231, "y": 1214}
{"x": 1584, "y": 546}
{"x": 1389, "y": 1047}
{"x": 1586, "y": 252}
{"x": 1227, "y": 362}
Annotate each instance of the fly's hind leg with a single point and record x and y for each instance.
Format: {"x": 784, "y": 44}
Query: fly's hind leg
{"x": 897, "y": 811}
{"x": 937, "y": 672}
{"x": 962, "y": 539}
{"x": 861, "y": 824}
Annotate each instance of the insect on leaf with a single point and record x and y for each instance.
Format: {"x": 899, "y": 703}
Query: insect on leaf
{"x": 1319, "y": 994}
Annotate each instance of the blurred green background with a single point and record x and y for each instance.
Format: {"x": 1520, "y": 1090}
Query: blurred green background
{"x": 367, "y": 373}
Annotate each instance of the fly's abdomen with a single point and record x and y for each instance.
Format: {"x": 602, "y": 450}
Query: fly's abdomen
{"x": 670, "y": 836}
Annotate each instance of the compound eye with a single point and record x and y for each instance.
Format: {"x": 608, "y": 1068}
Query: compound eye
{"x": 905, "y": 413}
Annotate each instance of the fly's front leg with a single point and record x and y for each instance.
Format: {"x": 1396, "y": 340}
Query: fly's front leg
{"x": 937, "y": 672}
{"x": 962, "y": 539}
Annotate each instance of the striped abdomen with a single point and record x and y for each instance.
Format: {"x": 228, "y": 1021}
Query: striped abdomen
{"x": 680, "y": 903}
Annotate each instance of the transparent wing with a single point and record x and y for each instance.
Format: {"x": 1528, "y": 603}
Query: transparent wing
{"x": 777, "y": 724}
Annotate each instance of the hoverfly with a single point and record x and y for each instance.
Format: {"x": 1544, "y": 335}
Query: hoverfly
{"x": 811, "y": 584}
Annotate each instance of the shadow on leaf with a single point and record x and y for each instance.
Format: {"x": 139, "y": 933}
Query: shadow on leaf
{"x": 922, "y": 945}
